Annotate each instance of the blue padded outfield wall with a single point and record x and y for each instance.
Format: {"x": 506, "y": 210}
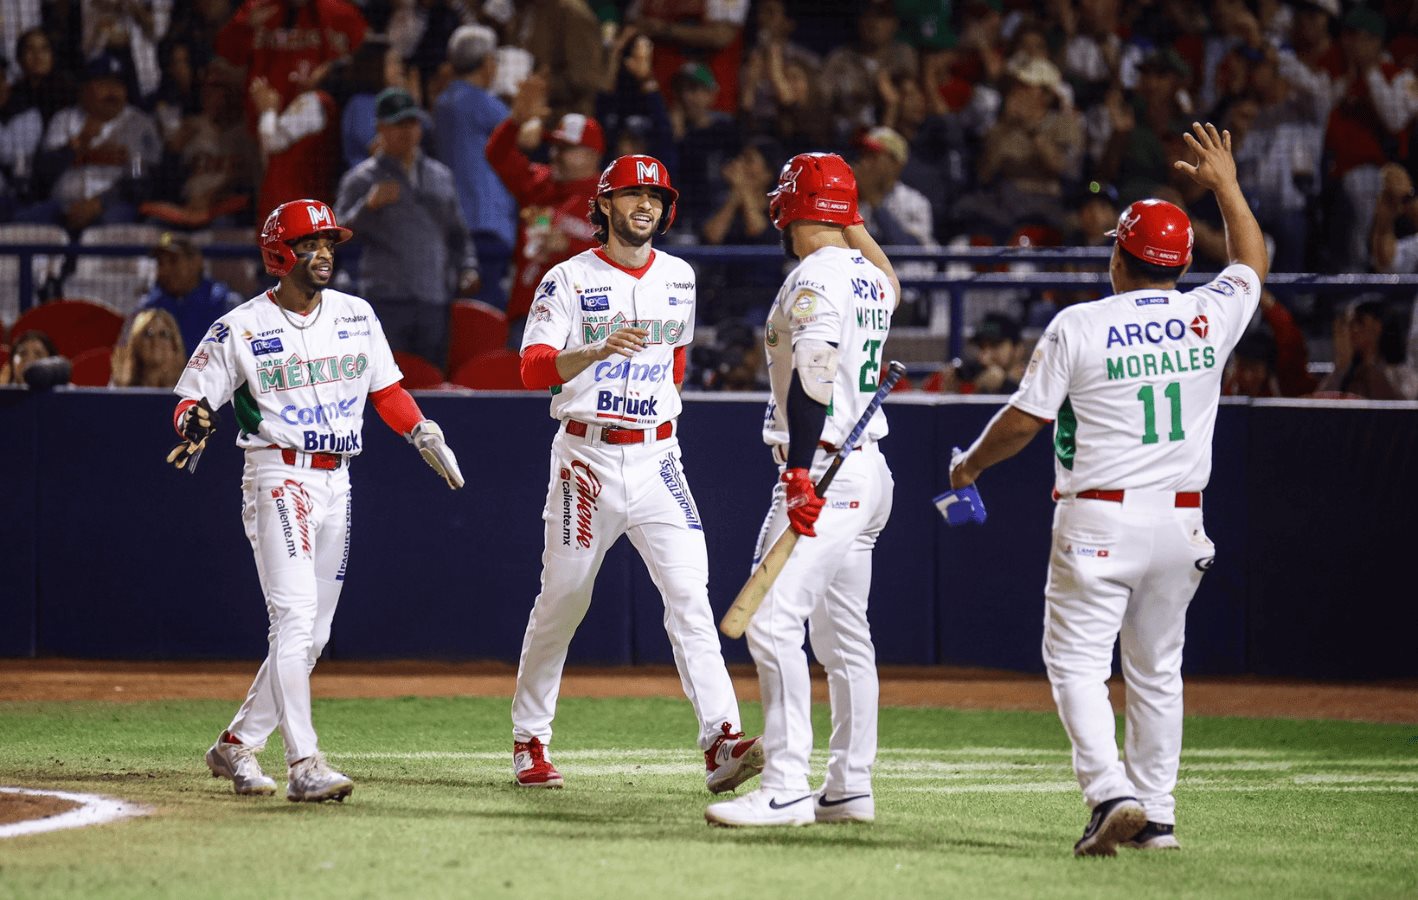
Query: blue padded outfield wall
{"x": 109, "y": 554}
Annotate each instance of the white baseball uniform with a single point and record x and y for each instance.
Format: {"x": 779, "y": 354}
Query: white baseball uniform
{"x": 298, "y": 386}
{"x": 1132, "y": 383}
{"x": 834, "y": 295}
{"x": 616, "y": 469}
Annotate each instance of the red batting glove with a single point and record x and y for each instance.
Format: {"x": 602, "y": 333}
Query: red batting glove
{"x": 804, "y": 506}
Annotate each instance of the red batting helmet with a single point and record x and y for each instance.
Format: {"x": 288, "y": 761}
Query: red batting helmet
{"x": 290, "y": 222}
{"x": 1155, "y": 232}
{"x": 636, "y": 170}
{"x": 819, "y": 187}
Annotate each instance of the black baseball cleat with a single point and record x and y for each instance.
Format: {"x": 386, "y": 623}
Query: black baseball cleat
{"x": 1114, "y": 821}
{"x": 1154, "y": 836}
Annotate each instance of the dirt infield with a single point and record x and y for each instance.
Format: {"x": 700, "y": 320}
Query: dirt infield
{"x": 23, "y": 807}
{"x": 63, "y": 680}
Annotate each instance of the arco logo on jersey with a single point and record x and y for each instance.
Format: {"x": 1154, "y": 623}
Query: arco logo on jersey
{"x": 1155, "y": 332}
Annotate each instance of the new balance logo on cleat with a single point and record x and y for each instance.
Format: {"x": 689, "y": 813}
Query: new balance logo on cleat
{"x": 731, "y": 760}
{"x": 532, "y": 765}
{"x": 1114, "y": 821}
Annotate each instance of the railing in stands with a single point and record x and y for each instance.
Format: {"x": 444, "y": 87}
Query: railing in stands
{"x": 912, "y": 259}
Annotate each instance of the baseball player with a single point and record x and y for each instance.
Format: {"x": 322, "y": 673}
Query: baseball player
{"x": 297, "y": 363}
{"x": 1131, "y": 383}
{"x": 823, "y": 339}
{"x": 607, "y": 334}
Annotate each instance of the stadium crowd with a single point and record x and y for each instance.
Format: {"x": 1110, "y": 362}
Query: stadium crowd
{"x": 462, "y": 140}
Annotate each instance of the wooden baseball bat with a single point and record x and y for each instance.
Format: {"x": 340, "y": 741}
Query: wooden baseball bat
{"x": 751, "y": 595}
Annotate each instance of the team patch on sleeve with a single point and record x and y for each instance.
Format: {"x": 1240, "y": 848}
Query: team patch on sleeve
{"x": 804, "y": 305}
{"x": 541, "y": 312}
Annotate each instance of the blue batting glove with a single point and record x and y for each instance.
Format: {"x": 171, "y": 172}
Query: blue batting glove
{"x": 962, "y": 506}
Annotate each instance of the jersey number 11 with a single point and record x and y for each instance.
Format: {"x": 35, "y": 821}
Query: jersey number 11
{"x": 1173, "y": 392}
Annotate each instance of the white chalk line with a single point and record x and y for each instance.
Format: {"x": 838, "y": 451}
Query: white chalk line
{"x": 93, "y": 810}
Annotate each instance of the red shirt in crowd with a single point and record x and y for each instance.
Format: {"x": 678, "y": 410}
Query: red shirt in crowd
{"x": 566, "y": 204}
{"x": 285, "y": 43}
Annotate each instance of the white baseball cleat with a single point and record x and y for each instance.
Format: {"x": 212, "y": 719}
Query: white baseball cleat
{"x": 846, "y": 807}
{"x": 762, "y": 807}
{"x": 238, "y": 762}
{"x": 312, "y": 780}
{"x": 731, "y": 760}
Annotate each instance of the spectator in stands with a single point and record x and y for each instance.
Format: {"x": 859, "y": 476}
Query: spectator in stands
{"x": 197, "y": 23}
{"x": 1093, "y": 47}
{"x": 895, "y": 213}
{"x": 41, "y": 85}
{"x": 1270, "y": 362}
{"x": 464, "y": 117}
{"x": 1135, "y": 156}
{"x": 424, "y": 46}
{"x": 1376, "y": 105}
{"x": 1360, "y": 369}
{"x": 554, "y": 198}
{"x": 705, "y": 140}
{"x": 742, "y": 218}
{"x": 1000, "y": 355}
{"x": 300, "y": 142}
{"x": 32, "y": 348}
{"x": 286, "y": 46}
{"x": 1395, "y": 203}
{"x": 940, "y": 159}
{"x": 849, "y": 74}
{"x": 1031, "y": 155}
{"x": 184, "y": 292}
{"x": 417, "y": 251}
{"x": 180, "y": 93}
{"x": 773, "y": 50}
{"x": 732, "y": 361}
{"x": 129, "y": 31}
{"x": 632, "y": 103}
{"x": 99, "y": 153}
{"x": 564, "y": 37}
{"x": 710, "y": 33}
{"x": 211, "y": 159}
{"x": 151, "y": 353}
{"x": 374, "y": 66}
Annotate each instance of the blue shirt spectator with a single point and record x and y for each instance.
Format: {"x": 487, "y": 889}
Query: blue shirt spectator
{"x": 194, "y": 300}
{"x": 464, "y": 117}
{"x": 357, "y": 128}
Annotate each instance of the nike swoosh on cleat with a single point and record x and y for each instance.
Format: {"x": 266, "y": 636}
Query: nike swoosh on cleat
{"x": 774, "y": 804}
{"x": 823, "y": 801}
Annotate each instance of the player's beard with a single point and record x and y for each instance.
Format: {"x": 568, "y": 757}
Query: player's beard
{"x": 306, "y": 278}
{"x": 624, "y": 232}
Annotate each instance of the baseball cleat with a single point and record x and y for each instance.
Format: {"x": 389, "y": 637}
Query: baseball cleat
{"x": 1154, "y": 836}
{"x": 846, "y": 807}
{"x": 731, "y": 760}
{"x": 532, "y": 766}
{"x": 1114, "y": 821}
{"x": 312, "y": 781}
{"x": 235, "y": 760}
{"x": 760, "y": 808}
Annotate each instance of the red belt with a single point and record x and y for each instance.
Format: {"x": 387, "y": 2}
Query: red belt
{"x": 1185, "y": 499}
{"x": 780, "y": 451}
{"x": 611, "y": 434}
{"x": 316, "y": 460}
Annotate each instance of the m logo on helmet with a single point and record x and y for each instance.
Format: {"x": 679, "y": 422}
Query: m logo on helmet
{"x": 647, "y": 172}
{"x": 319, "y": 215}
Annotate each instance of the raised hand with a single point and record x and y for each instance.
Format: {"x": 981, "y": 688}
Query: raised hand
{"x": 1215, "y": 168}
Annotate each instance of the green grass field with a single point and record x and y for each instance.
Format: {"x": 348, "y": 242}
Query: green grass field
{"x": 969, "y": 804}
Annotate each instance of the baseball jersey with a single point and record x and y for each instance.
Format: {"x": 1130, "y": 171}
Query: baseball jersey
{"x": 834, "y": 295}
{"x": 1132, "y": 383}
{"x": 299, "y": 388}
{"x": 581, "y": 301}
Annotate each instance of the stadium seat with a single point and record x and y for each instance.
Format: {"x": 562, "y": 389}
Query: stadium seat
{"x": 474, "y": 328}
{"x": 92, "y": 368}
{"x": 41, "y": 266}
{"x": 73, "y": 325}
{"x": 419, "y": 373}
{"x": 496, "y": 370}
{"x": 116, "y": 281}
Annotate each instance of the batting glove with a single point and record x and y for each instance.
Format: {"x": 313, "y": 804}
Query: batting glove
{"x": 962, "y": 506}
{"x": 804, "y": 506}
{"x": 199, "y": 423}
{"x": 428, "y": 437}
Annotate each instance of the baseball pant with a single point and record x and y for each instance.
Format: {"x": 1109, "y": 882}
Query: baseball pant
{"x": 597, "y": 493}
{"x": 1123, "y": 571}
{"x": 298, "y": 522}
{"x": 825, "y": 586}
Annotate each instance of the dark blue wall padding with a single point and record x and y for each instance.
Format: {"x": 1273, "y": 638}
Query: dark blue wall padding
{"x": 108, "y": 553}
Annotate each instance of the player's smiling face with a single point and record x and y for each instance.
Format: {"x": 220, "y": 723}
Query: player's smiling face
{"x": 634, "y": 214}
{"x": 315, "y": 260}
